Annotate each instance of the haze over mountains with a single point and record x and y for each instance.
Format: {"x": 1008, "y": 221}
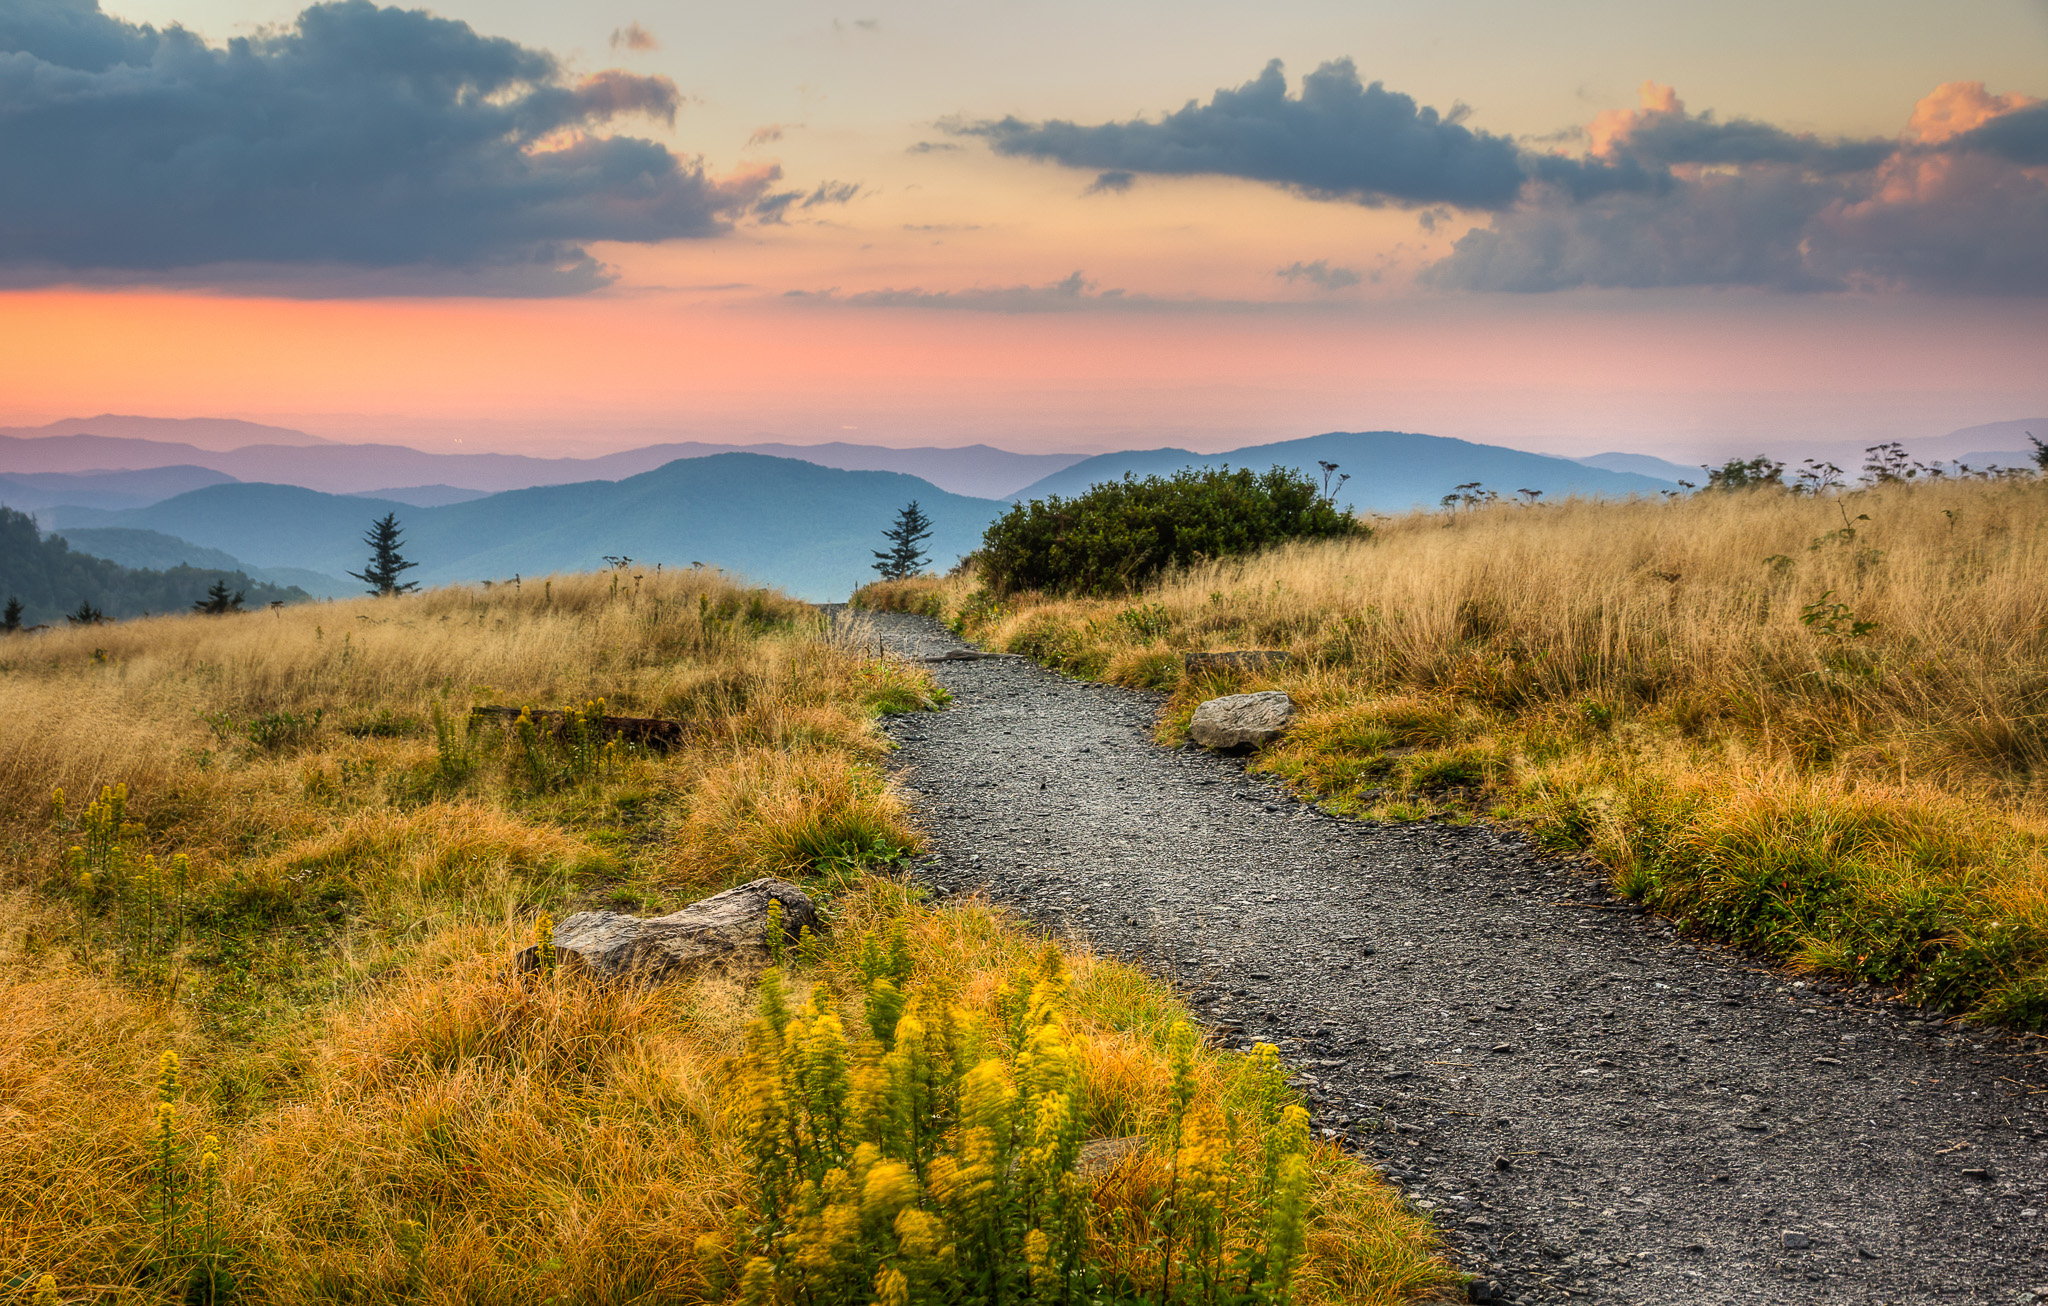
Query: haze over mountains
{"x": 805, "y": 518}
{"x": 87, "y": 446}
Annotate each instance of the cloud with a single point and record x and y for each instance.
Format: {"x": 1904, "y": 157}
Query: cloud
{"x": 768, "y": 135}
{"x": 1321, "y": 274}
{"x": 932, "y": 147}
{"x": 633, "y": 37}
{"x": 357, "y": 146}
{"x": 1662, "y": 134}
{"x": 1074, "y": 293}
{"x": 1111, "y": 183}
{"x": 776, "y": 207}
{"x": 1956, "y": 204}
{"x": 1339, "y": 139}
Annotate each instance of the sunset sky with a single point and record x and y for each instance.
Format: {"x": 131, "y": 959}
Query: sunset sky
{"x": 1038, "y": 223}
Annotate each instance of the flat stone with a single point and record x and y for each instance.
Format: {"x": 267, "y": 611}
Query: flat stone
{"x": 1242, "y": 720}
{"x": 726, "y": 929}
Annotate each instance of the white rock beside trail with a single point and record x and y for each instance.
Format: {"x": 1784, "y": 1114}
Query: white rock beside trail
{"x": 726, "y": 929}
{"x": 1242, "y": 720}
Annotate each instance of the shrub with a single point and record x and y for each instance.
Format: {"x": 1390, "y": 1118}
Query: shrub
{"x": 1119, "y": 535}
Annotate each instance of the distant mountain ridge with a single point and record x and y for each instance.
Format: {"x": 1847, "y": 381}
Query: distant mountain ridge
{"x": 30, "y": 491}
{"x": 1390, "y": 471}
{"x": 215, "y": 433}
{"x": 976, "y": 470}
{"x": 808, "y": 529}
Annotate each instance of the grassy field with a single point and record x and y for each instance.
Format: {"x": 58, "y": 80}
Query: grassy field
{"x": 263, "y": 880}
{"x": 1817, "y": 726}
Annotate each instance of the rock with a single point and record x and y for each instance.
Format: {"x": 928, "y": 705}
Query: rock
{"x": 729, "y": 928}
{"x": 1242, "y": 720}
{"x": 1794, "y": 1240}
{"x": 1242, "y": 659}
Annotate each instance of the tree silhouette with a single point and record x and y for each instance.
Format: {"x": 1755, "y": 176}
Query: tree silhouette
{"x": 904, "y": 556}
{"x": 86, "y": 615}
{"x": 219, "y": 600}
{"x": 10, "y": 617}
{"x": 386, "y": 562}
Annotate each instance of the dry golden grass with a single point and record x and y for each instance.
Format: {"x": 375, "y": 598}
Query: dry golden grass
{"x": 1817, "y": 725}
{"x": 401, "y": 1119}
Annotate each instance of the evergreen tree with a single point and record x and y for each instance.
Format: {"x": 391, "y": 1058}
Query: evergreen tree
{"x": 86, "y": 615}
{"x": 10, "y": 618}
{"x": 386, "y": 562}
{"x": 905, "y": 556}
{"x": 219, "y": 600}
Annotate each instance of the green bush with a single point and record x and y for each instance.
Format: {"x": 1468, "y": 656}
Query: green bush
{"x": 1121, "y": 534}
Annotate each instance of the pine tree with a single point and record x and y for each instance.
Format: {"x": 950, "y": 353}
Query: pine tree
{"x": 219, "y": 600}
{"x": 386, "y": 562}
{"x": 904, "y": 556}
{"x": 10, "y": 617}
{"x": 86, "y": 615}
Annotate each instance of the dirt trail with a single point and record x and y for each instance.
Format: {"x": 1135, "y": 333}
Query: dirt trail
{"x": 1595, "y": 1109}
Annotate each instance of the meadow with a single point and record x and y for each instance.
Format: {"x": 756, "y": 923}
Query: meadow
{"x": 264, "y": 876}
{"x": 1812, "y": 724}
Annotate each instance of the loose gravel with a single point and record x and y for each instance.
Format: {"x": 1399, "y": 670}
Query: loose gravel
{"x": 1592, "y": 1107}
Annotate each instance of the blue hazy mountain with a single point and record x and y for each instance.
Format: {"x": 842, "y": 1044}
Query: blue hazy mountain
{"x": 155, "y": 551}
{"x": 811, "y": 530}
{"x": 1643, "y": 464}
{"x": 1390, "y": 471}
{"x": 32, "y": 491}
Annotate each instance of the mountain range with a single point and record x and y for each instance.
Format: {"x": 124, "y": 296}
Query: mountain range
{"x": 376, "y": 468}
{"x": 1389, "y": 471}
{"x": 793, "y": 522}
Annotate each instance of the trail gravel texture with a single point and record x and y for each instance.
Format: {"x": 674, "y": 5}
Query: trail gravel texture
{"x": 1592, "y": 1107}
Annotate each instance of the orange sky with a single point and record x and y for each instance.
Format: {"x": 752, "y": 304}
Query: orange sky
{"x": 749, "y": 334}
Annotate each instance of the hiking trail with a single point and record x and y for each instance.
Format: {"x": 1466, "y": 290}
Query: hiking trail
{"x": 1595, "y": 1108}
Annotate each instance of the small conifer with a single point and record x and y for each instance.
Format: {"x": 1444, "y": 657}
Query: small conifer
{"x": 905, "y": 555}
{"x": 386, "y": 562}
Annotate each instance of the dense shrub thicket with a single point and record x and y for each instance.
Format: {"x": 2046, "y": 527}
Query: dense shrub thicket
{"x": 1121, "y": 534}
{"x": 51, "y": 580}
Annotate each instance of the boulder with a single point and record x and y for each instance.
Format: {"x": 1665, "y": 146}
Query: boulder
{"x": 1242, "y": 720}
{"x": 726, "y": 929}
{"x": 1240, "y": 659}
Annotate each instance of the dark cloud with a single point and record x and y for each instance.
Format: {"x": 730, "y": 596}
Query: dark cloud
{"x": 2020, "y": 136}
{"x": 1670, "y": 139}
{"x": 777, "y": 206}
{"x": 932, "y": 147}
{"x": 1340, "y": 139}
{"x": 1321, "y": 274}
{"x": 768, "y": 135}
{"x": 357, "y": 146}
{"x": 1111, "y": 183}
{"x": 633, "y": 37}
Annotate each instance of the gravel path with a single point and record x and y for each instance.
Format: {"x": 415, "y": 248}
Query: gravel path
{"x": 1593, "y": 1108}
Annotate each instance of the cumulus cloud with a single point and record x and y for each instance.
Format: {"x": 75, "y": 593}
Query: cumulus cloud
{"x": 359, "y": 145}
{"x": 1321, "y": 274}
{"x": 633, "y": 37}
{"x": 1955, "y": 204}
{"x": 1339, "y": 139}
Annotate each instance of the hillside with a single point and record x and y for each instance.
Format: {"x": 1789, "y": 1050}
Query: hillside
{"x": 51, "y": 579}
{"x": 215, "y": 433}
{"x": 805, "y": 528}
{"x": 258, "y": 960}
{"x": 153, "y": 549}
{"x": 1391, "y": 471}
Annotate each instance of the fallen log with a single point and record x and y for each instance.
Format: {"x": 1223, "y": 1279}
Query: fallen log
{"x": 657, "y": 733}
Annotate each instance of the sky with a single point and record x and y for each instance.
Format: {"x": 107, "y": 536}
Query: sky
{"x": 1582, "y": 226}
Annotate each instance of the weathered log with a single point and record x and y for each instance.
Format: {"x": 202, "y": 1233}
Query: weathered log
{"x": 658, "y": 733}
{"x": 727, "y": 929}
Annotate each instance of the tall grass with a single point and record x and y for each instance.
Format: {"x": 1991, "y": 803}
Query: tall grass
{"x": 1816, "y": 725}
{"x": 286, "y": 853}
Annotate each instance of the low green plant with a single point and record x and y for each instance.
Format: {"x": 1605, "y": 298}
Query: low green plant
{"x": 1119, "y": 535}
